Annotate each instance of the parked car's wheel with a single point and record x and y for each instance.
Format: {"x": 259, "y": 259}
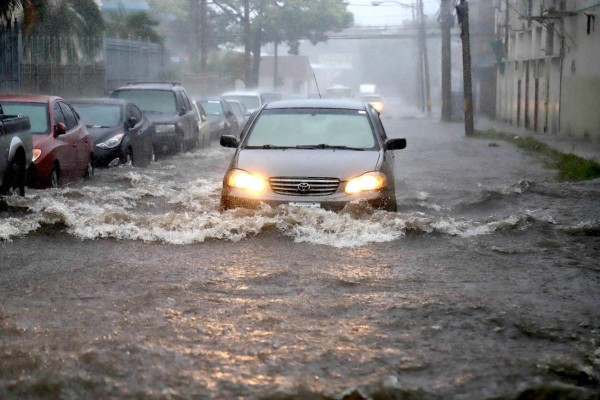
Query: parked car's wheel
{"x": 15, "y": 178}
{"x": 127, "y": 159}
{"x": 55, "y": 176}
{"x": 89, "y": 169}
{"x": 181, "y": 144}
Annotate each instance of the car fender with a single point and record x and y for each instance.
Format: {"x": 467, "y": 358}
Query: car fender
{"x": 15, "y": 144}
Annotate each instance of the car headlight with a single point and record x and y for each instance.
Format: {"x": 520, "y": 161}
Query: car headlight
{"x": 377, "y": 105}
{"x": 36, "y": 154}
{"x": 244, "y": 180}
{"x": 366, "y": 182}
{"x": 112, "y": 142}
{"x": 165, "y": 128}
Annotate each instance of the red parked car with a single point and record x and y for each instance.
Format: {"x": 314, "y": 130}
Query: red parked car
{"x": 62, "y": 146}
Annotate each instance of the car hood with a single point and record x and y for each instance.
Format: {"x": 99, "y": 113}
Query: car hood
{"x": 101, "y": 134}
{"x": 329, "y": 163}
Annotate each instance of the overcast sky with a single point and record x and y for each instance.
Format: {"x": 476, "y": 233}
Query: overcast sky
{"x": 387, "y": 14}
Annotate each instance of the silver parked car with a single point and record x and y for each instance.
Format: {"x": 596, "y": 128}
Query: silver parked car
{"x": 312, "y": 153}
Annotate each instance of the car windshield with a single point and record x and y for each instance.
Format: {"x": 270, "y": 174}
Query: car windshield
{"x": 148, "y": 100}
{"x": 251, "y": 102}
{"x": 99, "y": 115}
{"x": 37, "y": 113}
{"x": 312, "y": 128}
{"x": 235, "y": 107}
{"x": 212, "y": 107}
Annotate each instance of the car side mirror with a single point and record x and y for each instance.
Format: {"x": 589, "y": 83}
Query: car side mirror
{"x": 60, "y": 129}
{"x": 229, "y": 141}
{"x": 203, "y": 118}
{"x": 182, "y": 111}
{"x": 395, "y": 144}
{"x": 131, "y": 122}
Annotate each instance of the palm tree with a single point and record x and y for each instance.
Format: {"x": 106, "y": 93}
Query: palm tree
{"x": 134, "y": 25}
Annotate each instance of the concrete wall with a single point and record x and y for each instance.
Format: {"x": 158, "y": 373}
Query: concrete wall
{"x": 551, "y": 79}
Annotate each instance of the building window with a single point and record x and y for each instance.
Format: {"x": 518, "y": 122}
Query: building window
{"x": 591, "y": 21}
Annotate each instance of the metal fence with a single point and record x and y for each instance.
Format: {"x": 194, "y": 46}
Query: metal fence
{"x": 10, "y": 56}
{"x": 76, "y": 66}
{"x": 133, "y": 61}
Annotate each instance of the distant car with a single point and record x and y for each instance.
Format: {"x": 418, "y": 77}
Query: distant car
{"x": 204, "y": 127}
{"x": 62, "y": 147}
{"x": 375, "y": 100}
{"x": 240, "y": 111}
{"x": 169, "y": 109}
{"x": 121, "y": 133}
{"x": 252, "y": 99}
{"x": 312, "y": 153}
{"x": 222, "y": 119}
{"x": 16, "y": 149}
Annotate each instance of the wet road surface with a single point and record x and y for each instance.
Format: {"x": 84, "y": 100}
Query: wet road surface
{"x": 484, "y": 284}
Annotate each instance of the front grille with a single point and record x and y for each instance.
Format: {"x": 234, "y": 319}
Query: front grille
{"x": 304, "y": 186}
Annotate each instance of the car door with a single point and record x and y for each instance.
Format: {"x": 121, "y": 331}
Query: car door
{"x": 190, "y": 118}
{"x": 66, "y": 146}
{"x": 140, "y": 137}
{"x": 80, "y": 137}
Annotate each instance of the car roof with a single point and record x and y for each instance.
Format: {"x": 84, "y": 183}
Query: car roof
{"x": 29, "y": 98}
{"x": 242, "y": 93}
{"x": 99, "y": 100}
{"x": 316, "y": 103}
{"x": 151, "y": 85}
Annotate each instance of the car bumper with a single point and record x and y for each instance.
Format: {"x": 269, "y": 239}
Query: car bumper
{"x": 239, "y": 198}
{"x": 103, "y": 157}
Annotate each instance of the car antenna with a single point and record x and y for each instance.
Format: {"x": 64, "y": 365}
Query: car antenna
{"x": 317, "y": 84}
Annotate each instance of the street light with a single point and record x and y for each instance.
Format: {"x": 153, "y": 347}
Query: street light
{"x": 423, "y": 66}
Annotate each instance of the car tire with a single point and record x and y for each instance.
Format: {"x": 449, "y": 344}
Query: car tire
{"x": 18, "y": 169}
{"x": 55, "y": 177}
{"x": 14, "y": 179}
{"x": 89, "y": 169}
{"x": 127, "y": 158}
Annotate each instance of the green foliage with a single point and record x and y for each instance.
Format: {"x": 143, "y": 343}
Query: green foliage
{"x": 570, "y": 166}
{"x": 133, "y": 25}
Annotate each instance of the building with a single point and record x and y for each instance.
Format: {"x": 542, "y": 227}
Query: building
{"x": 548, "y": 77}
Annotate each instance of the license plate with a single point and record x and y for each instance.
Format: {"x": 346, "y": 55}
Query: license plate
{"x": 305, "y": 204}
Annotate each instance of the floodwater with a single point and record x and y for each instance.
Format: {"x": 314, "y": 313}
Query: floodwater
{"x": 484, "y": 285}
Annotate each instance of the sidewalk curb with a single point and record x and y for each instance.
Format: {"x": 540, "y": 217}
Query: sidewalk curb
{"x": 565, "y": 144}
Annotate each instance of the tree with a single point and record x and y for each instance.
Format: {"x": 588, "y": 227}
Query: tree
{"x": 271, "y": 21}
{"x": 135, "y": 25}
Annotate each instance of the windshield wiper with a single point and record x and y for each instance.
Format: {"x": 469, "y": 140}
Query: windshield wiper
{"x": 329, "y": 146}
{"x": 269, "y": 146}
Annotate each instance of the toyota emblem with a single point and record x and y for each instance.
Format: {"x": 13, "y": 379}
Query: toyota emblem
{"x": 303, "y": 187}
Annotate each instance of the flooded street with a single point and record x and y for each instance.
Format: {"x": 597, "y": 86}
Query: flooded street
{"x": 484, "y": 285}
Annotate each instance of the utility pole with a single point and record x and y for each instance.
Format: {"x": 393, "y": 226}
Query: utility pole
{"x": 446, "y": 23}
{"x": 203, "y": 36}
{"x": 195, "y": 31}
{"x": 247, "y": 44}
{"x": 462, "y": 12}
{"x": 424, "y": 56}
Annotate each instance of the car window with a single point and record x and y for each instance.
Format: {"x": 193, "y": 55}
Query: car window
{"x": 236, "y": 109}
{"x": 134, "y": 111}
{"x": 186, "y": 100}
{"x": 70, "y": 118}
{"x": 309, "y": 127}
{"x": 37, "y": 113}
{"x": 212, "y": 107}
{"x": 149, "y": 100}
{"x": 58, "y": 115}
{"x": 101, "y": 115}
{"x": 200, "y": 109}
{"x": 251, "y": 102}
